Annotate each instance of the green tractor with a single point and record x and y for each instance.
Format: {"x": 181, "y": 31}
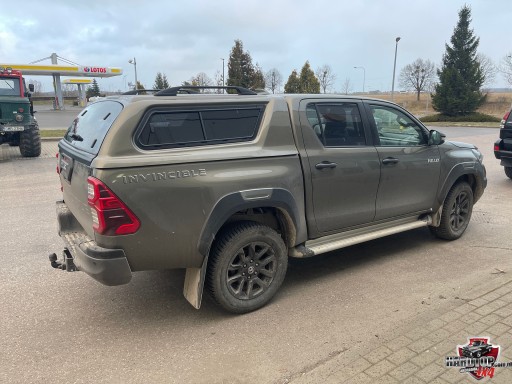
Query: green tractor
{"x": 18, "y": 126}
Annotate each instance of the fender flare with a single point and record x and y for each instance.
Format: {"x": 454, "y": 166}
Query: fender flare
{"x": 458, "y": 171}
{"x": 254, "y": 198}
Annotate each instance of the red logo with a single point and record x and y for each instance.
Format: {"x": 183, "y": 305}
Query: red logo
{"x": 481, "y": 356}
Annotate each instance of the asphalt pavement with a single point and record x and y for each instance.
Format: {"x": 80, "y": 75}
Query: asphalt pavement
{"x": 389, "y": 310}
{"x": 48, "y": 118}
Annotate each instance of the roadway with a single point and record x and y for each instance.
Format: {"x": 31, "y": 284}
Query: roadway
{"x": 64, "y": 327}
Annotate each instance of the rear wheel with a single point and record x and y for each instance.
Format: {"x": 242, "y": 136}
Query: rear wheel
{"x": 30, "y": 142}
{"x": 457, "y": 209}
{"x": 508, "y": 172}
{"x": 246, "y": 266}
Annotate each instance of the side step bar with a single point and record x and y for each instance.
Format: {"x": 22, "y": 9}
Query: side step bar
{"x": 346, "y": 239}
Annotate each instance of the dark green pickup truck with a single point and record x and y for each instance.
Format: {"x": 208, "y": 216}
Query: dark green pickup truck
{"x": 18, "y": 126}
{"x": 230, "y": 186}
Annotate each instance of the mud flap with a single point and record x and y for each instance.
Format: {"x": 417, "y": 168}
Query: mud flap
{"x": 436, "y": 217}
{"x": 194, "y": 283}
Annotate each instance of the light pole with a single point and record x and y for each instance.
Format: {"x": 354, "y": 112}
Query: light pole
{"x": 134, "y": 62}
{"x": 222, "y": 74}
{"x": 394, "y": 68}
{"x": 364, "y": 75}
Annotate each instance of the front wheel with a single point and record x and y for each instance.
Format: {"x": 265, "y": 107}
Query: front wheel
{"x": 508, "y": 172}
{"x": 246, "y": 267}
{"x": 30, "y": 142}
{"x": 457, "y": 209}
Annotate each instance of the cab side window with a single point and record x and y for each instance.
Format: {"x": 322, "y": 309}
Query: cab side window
{"x": 337, "y": 125}
{"x": 396, "y": 129}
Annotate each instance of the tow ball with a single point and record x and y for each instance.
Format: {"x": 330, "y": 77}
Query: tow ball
{"x": 66, "y": 264}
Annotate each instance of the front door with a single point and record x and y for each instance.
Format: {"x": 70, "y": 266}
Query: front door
{"x": 409, "y": 166}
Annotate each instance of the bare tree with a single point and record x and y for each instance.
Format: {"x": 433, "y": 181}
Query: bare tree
{"x": 201, "y": 80}
{"x": 506, "y": 67}
{"x": 273, "y": 80}
{"x": 69, "y": 90}
{"x": 325, "y": 76}
{"x": 346, "y": 87}
{"x": 418, "y": 76}
{"x": 488, "y": 68}
{"x": 217, "y": 81}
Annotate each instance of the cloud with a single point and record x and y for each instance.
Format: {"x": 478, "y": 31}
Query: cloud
{"x": 181, "y": 38}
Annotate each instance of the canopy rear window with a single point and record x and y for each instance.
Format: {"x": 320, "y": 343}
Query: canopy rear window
{"x": 90, "y": 127}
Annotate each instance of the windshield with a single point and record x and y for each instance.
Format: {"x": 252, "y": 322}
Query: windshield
{"x": 9, "y": 86}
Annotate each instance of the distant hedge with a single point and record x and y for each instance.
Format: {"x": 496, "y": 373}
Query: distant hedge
{"x": 473, "y": 117}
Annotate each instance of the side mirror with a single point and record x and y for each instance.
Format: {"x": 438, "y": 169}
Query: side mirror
{"x": 31, "y": 87}
{"x": 436, "y": 137}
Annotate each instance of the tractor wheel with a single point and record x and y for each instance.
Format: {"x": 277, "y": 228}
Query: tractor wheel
{"x": 30, "y": 142}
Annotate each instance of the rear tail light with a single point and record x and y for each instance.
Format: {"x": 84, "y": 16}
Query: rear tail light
{"x": 496, "y": 147}
{"x": 109, "y": 214}
{"x": 504, "y": 120}
{"x": 58, "y": 163}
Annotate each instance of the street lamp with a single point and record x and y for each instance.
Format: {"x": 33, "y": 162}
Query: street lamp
{"x": 134, "y": 62}
{"x": 364, "y": 75}
{"x": 394, "y": 68}
{"x": 222, "y": 74}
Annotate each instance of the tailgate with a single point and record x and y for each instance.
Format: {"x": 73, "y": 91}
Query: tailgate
{"x": 77, "y": 150}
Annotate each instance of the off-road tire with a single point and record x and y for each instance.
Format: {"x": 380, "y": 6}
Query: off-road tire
{"x": 457, "y": 209}
{"x": 246, "y": 266}
{"x": 508, "y": 172}
{"x": 30, "y": 142}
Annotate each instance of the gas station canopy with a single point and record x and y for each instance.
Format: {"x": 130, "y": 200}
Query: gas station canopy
{"x": 57, "y": 70}
{"x": 65, "y": 70}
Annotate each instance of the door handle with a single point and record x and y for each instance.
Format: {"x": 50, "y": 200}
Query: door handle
{"x": 389, "y": 160}
{"x": 325, "y": 164}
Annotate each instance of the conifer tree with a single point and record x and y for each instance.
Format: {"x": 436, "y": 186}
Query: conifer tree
{"x": 161, "y": 81}
{"x": 460, "y": 77}
{"x": 293, "y": 83}
{"x": 240, "y": 67}
{"x": 93, "y": 90}
{"x": 308, "y": 81}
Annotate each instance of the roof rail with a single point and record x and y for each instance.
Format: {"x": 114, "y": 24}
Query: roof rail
{"x": 141, "y": 92}
{"x": 194, "y": 89}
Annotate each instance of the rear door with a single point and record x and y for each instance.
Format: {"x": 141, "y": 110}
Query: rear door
{"x": 343, "y": 165}
{"x": 410, "y": 167}
{"x": 77, "y": 149}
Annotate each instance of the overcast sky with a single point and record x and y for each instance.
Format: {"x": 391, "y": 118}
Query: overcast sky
{"x": 182, "y": 38}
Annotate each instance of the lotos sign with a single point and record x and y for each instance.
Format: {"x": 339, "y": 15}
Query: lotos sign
{"x": 95, "y": 69}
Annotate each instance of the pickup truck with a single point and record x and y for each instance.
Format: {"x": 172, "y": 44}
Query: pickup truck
{"x": 229, "y": 186}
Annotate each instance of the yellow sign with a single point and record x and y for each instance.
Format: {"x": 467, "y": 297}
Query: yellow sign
{"x": 77, "y": 81}
{"x": 65, "y": 70}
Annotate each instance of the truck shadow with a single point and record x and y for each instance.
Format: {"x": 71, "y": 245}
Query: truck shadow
{"x": 156, "y": 295}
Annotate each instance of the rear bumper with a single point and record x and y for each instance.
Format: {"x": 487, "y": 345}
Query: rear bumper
{"x": 108, "y": 266}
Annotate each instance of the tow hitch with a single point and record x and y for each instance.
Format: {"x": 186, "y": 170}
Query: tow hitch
{"x": 66, "y": 263}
